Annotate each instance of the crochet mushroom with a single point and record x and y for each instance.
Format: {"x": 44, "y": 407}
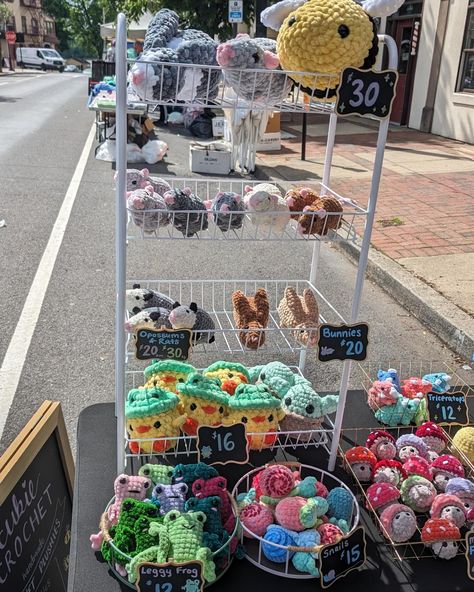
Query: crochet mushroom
{"x": 418, "y": 493}
{"x": 381, "y": 496}
{"x": 415, "y": 465}
{"x": 389, "y": 471}
{"x": 449, "y": 507}
{"x": 382, "y": 444}
{"x": 444, "y": 468}
{"x": 362, "y": 462}
{"x": 463, "y": 489}
{"x": 399, "y": 522}
{"x": 442, "y": 537}
{"x": 433, "y": 436}
{"x": 410, "y": 445}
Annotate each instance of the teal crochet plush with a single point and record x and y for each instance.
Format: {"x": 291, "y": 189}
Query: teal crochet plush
{"x": 277, "y": 376}
{"x": 189, "y": 473}
{"x": 214, "y": 536}
{"x": 403, "y": 412}
{"x": 340, "y": 504}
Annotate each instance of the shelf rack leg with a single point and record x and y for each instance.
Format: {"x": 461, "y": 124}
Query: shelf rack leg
{"x": 120, "y": 236}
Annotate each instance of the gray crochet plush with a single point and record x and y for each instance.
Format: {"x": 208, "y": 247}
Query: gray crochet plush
{"x": 151, "y": 318}
{"x": 188, "y": 223}
{"x": 192, "y": 317}
{"x": 228, "y": 202}
{"x": 140, "y": 179}
{"x": 148, "y": 209}
{"x": 138, "y": 299}
{"x": 259, "y": 55}
{"x": 165, "y": 44}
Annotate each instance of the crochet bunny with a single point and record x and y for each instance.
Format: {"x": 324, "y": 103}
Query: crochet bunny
{"x": 251, "y": 314}
{"x": 183, "y": 203}
{"x": 263, "y": 198}
{"x": 147, "y": 209}
{"x": 300, "y": 313}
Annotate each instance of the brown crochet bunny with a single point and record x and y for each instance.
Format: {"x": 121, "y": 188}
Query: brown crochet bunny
{"x": 251, "y": 313}
{"x": 321, "y": 216}
{"x": 300, "y": 313}
{"x": 297, "y": 199}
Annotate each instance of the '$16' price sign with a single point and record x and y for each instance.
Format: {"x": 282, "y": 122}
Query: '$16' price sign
{"x": 222, "y": 444}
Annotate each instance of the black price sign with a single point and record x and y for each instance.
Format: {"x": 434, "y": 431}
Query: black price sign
{"x": 338, "y": 559}
{"x": 448, "y": 408}
{"x": 219, "y": 445}
{"x": 343, "y": 342}
{"x": 366, "y": 92}
{"x": 470, "y": 554}
{"x": 170, "y": 577}
{"x": 165, "y": 344}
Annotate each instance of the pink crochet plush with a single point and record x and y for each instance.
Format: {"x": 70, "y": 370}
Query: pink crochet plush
{"x": 256, "y": 518}
{"x": 415, "y": 388}
{"x": 433, "y": 436}
{"x": 298, "y": 513}
{"x": 277, "y": 481}
{"x": 444, "y": 468}
{"x": 389, "y": 471}
{"x": 449, "y": 507}
{"x": 382, "y": 392}
{"x": 330, "y": 533}
{"x": 382, "y": 495}
{"x": 416, "y": 465}
{"x": 399, "y": 522}
{"x": 217, "y": 486}
{"x": 382, "y": 444}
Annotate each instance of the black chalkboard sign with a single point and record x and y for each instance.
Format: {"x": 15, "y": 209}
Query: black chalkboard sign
{"x": 165, "y": 344}
{"x": 448, "y": 408}
{"x": 343, "y": 342}
{"x": 36, "y": 474}
{"x": 170, "y": 577}
{"x": 470, "y": 554}
{"x": 219, "y": 445}
{"x": 338, "y": 559}
{"x": 366, "y": 92}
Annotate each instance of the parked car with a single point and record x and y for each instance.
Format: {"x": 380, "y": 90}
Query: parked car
{"x": 71, "y": 68}
{"x": 40, "y": 57}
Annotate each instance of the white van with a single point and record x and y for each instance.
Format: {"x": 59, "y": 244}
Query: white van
{"x": 39, "y": 57}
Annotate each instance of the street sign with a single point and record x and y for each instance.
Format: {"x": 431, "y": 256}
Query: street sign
{"x": 10, "y": 36}
{"x": 219, "y": 445}
{"x": 236, "y": 11}
{"x": 338, "y": 559}
{"x": 170, "y": 577}
{"x": 343, "y": 342}
{"x": 448, "y": 408}
{"x": 165, "y": 344}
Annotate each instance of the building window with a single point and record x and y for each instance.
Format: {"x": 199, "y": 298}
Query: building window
{"x": 11, "y": 23}
{"x": 466, "y": 69}
{"x": 34, "y": 25}
{"x": 23, "y": 24}
{"x": 49, "y": 25}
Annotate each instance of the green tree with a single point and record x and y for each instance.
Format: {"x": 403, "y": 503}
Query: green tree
{"x": 59, "y": 9}
{"x": 85, "y": 18}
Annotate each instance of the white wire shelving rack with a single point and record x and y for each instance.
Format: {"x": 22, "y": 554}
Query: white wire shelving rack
{"x": 215, "y": 293}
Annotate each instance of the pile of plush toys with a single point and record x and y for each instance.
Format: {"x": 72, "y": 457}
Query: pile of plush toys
{"x": 153, "y": 204}
{"x": 396, "y": 402}
{"x": 282, "y": 508}
{"x": 419, "y": 490}
{"x": 177, "y": 399}
{"x": 181, "y": 513}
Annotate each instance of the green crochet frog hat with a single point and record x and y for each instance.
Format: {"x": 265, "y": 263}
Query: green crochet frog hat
{"x": 145, "y": 402}
{"x": 253, "y": 396}
{"x": 167, "y": 366}
{"x": 235, "y": 366}
{"x": 205, "y": 388}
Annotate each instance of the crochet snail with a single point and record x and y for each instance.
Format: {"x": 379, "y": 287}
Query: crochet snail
{"x": 326, "y": 36}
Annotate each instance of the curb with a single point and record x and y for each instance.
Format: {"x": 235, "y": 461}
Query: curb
{"x": 451, "y": 324}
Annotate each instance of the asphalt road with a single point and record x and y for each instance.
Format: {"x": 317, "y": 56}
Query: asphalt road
{"x": 44, "y": 124}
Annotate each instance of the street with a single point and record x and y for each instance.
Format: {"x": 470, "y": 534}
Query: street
{"x": 57, "y": 311}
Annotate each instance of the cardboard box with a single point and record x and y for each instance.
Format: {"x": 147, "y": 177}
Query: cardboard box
{"x": 269, "y": 142}
{"x": 214, "y": 158}
{"x": 274, "y": 123}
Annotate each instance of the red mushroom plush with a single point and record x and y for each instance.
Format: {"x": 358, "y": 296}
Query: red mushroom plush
{"x": 382, "y": 495}
{"x": 449, "y": 507}
{"x": 442, "y": 537}
{"x": 389, "y": 471}
{"x": 382, "y": 444}
{"x": 444, "y": 468}
{"x": 416, "y": 465}
{"x": 362, "y": 462}
{"x": 433, "y": 436}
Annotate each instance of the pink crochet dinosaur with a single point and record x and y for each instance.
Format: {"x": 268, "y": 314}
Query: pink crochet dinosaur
{"x": 217, "y": 486}
{"x": 382, "y": 392}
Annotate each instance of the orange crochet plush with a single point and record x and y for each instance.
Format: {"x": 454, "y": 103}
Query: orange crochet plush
{"x": 251, "y": 314}
{"x": 300, "y": 313}
{"x": 297, "y": 199}
{"x": 321, "y": 216}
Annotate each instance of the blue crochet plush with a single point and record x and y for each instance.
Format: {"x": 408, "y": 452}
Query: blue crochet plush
{"x": 340, "y": 504}
{"x": 169, "y": 497}
{"x": 392, "y": 375}
{"x": 439, "y": 381}
{"x": 183, "y": 203}
{"x": 302, "y": 561}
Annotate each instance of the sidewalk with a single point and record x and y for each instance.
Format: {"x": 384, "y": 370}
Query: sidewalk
{"x": 425, "y": 209}
{"x": 21, "y": 71}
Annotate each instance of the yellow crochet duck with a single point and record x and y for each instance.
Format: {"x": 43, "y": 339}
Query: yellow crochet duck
{"x": 326, "y": 36}
{"x": 167, "y": 374}
{"x": 153, "y": 418}
{"x": 231, "y": 374}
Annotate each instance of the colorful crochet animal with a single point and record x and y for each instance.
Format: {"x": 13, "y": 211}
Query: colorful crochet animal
{"x": 301, "y": 560}
{"x": 215, "y": 535}
{"x": 298, "y": 513}
{"x": 463, "y": 489}
{"x": 169, "y": 497}
{"x": 203, "y": 488}
{"x": 439, "y": 381}
{"x": 203, "y": 401}
{"x": 449, "y": 507}
{"x": 256, "y": 518}
{"x": 282, "y": 539}
{"x": 382, "y": 444}
{"x": 341, "y": 504}
{"x": 391, "y": 374}
{"x": 153, "y": 419}
{"x": 277, "y": 481}
{"x": 147, "y": 209}
{"x": 138, "y": 299}
{"x": 255, "y": 406}
{"x": 444, "y": 468}
{"x": 297, "y": 199}
{"x": 194, "y": 318}
{"x": 362, "y": 462}
{"x": 382, "y": 392}
{"x": 277, "y": 376}
{"x": 226, "y": 210}
{"x": 402, "y": 412}
{"x": 410, "y": 445}
{"x": 308, "y": 487}
{"x": 251, "y": 314}
{"x": 463, "y": 442}
{"x": 415, "y": 387}
{"x": 269, "y": 211}
{"x": 188, "y": 473}
{"x": 165, "y": 43}
{"x": 231, "y": 374}
{"x": 301, "y": 313}
{"x": 399, "y": 523}
{"x": 340, "y": 33}
{"x": 389, "y": 471}
{"x": 243, "y": 58}
{"x": 433, "y": 436}
{"x": 167, "y": 374}
{"x": 321, "y": 216}
{"x": 157, "y": 473}
{"x": 418, "y": 493}
{"x": 189, "y": 214}
{"x": 381, "y": 496}
{"x": 140, "y": 179}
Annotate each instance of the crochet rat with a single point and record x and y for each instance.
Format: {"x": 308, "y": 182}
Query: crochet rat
{"x": 140, "y": 179}
{"x": 269, "y": 210}
{"x": 321, "y": 216}
{"x": 147, "y": 209}
{"x": 183, "y": 203}
{"x": 297, "y": 199}
{"x": 225, "y": 208}
{"x": 251, "y": 314}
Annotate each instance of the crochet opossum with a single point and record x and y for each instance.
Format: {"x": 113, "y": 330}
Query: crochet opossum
{"x": 137, "y": 299}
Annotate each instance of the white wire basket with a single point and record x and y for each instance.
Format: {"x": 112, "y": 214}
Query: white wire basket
{"x": 245, "y": 225}
{"x": 253, "y": 545}
{"x": 215, "y": 297}
{"x": 192, "y": 85}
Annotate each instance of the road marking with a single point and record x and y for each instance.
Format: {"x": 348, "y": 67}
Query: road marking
{"x": 14, "y": 360}
{"x": 32, "y": 77}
